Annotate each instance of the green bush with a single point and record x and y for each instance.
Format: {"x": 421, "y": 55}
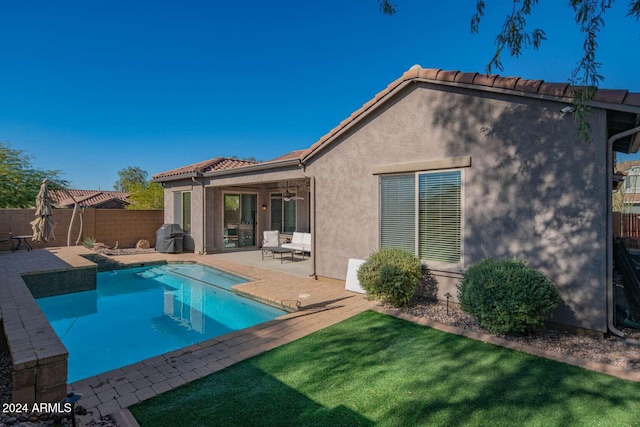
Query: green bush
{"x": 89, "y": 242}
{"x": 507, "y": 296}
{"x": 391, "y": 275}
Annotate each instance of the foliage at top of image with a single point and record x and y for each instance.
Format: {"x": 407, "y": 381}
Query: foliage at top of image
{"x": 391, "y": 275}
{"x": 506, "y": 296}
{"x": 20, "y": 179}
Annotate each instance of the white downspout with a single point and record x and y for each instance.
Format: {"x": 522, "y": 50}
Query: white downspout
{"x": 314, "y": 274}
{"x": 609, "y": 284}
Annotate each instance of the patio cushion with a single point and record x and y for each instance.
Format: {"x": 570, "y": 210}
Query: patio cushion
{"x": 299, "y": 242}
{"x": 270, "y": 239}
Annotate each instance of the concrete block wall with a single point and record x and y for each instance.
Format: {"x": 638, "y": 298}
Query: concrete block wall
{"x": 126, "y": 227}
{"x": 107, "y": 226}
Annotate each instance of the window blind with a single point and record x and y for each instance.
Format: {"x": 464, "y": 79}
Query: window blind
{"x": 439, "y": 216}
{"x": 397, "y": 214}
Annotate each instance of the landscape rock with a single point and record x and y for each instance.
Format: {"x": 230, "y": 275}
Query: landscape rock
{"x": 142, "y": 244}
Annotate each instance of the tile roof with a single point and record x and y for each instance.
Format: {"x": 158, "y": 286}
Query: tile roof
{"x": 292, "y": 155}
{"x": 215, "y": 164}
{"x": 487, "y": 82}
{"x": 87, "y": 198}
{"x": 218, "y": 164}
{"x": 626, "y": 165}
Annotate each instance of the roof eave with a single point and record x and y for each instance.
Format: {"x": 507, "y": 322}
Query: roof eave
{"x": 177, "y": 177}
{"x": 252, "y": 168}
{"x": 351, "y": 121}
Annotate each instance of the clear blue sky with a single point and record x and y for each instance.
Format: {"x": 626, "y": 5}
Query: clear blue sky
{"x": 92, "y": 87}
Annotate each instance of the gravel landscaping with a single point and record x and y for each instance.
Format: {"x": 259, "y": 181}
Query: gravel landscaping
{"x": 612, "y": 351}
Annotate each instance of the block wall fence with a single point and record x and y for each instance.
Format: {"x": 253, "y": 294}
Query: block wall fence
{"x": 107, "y": 226}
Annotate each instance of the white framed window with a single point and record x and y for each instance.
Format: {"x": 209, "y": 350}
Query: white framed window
{"x": 283, "y": 213}
{"x": 182, "y": 210}
{"x": 422, "y": 212}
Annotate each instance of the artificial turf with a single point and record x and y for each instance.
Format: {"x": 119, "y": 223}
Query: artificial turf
{"x": 374, "y": 369}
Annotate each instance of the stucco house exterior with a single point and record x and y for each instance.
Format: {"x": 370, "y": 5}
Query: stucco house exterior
{"x": 453, "y": 166}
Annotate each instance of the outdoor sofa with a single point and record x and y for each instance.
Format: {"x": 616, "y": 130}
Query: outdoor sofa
{"x": 300, "y": 242}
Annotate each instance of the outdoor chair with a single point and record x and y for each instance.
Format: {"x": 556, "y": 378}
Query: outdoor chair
{"x": 271, "y": 244}
{"x": 8, "y": 239}
{"x": 270, "y": 239}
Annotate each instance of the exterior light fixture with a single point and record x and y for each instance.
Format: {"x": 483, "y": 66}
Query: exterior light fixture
{"x": 447, "y": 295}
{"x": 568, "y": 110}
{"x": 264, "y": 207}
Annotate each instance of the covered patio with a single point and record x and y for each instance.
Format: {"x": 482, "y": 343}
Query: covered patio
{"x": 225, "y": 205}
{"x": 299, "y": 266}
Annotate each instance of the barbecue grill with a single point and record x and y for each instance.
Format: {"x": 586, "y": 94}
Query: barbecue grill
{"x": 169, "y": 238}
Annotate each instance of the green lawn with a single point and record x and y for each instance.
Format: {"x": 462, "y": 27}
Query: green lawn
{"x": 377, "y": 370}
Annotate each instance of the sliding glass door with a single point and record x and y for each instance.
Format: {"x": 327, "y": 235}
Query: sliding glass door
{"x": 239, "y": 219}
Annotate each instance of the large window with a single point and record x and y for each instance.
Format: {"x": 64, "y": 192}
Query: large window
{"x": 423, "y": 213}
{"x": 283, "y": 214}
{"x": 182, "y": 210}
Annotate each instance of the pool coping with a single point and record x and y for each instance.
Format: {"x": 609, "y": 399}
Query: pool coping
{"x": 319, "y": 303}
{"x": 38, "y": 356}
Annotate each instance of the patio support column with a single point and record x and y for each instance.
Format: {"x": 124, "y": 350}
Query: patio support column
{"x": 313, "y": 226}
{"x": 202, "y": 244}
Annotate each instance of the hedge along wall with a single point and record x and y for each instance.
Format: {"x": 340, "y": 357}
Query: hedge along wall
{"x": 107, "y": 226}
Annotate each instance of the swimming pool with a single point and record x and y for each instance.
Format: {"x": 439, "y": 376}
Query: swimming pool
{"x": 142, "y": 312}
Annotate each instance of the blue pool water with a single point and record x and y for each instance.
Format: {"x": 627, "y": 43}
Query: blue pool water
{"x": 142, "y": 312}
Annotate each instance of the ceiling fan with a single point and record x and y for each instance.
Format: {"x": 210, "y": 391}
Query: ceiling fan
{"x": 287, "y": 196}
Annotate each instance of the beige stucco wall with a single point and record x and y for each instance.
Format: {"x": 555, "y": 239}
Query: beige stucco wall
{"x": 532, "y": 191}
{"x": 214, "y": 187}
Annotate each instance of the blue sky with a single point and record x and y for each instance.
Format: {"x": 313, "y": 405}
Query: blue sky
{"x": 90, "y": 88}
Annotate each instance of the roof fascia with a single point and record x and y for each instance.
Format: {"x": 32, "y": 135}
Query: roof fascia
{"x": 595, "y": 104}
{"x": 253, "y": 168}
{"x": 474, "y": 87}
{"x": 177, "y": 177}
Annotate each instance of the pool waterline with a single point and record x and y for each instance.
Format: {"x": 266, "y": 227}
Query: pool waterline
{"x": 142, "y": 312}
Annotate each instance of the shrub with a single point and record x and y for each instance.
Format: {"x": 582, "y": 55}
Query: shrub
{"x": 391, "y": 275}
{"x": 89, "y": 242}
{"x": 507, "y": 296}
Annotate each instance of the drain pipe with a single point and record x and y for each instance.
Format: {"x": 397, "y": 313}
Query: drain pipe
{"x": 204, "y": 243}
{"x": 313, "y": 227}
{"x": 609, "y": 285}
